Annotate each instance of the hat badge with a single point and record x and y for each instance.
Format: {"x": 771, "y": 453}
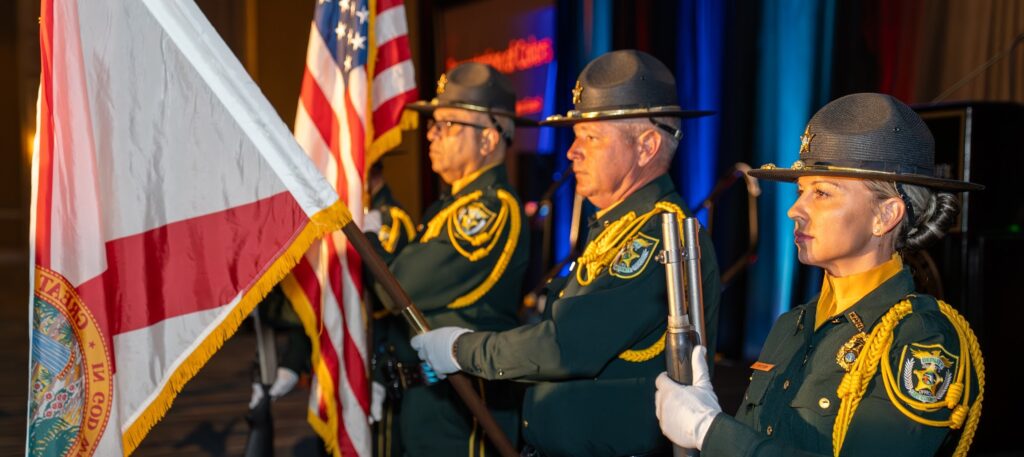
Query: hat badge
{"x": 442, "y": 83}
{"x": 577, "y": 93}
{"x": 805, "y": 140}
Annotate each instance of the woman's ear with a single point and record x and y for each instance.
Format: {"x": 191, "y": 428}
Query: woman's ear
{"x": 890, "y": 212}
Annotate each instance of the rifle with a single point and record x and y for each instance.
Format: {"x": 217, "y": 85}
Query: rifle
{"x": 685, "y": 301}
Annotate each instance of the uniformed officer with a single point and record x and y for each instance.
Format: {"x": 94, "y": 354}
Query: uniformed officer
{"x": 593, "y": 358}
{"x": 466, "y": 265}
{"x": 869, "y": 367}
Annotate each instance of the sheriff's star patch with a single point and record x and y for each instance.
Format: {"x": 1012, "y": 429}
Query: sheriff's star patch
{"x": 847, "y": 354}
{"x": 633, "y": 257}
{"x": 926, "y": 371}
{"x": 473, "y": 218}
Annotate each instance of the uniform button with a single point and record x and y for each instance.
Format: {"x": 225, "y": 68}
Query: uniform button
{"x": 606, "y": 223}
{"x": 785, "y": 385}
{"x": 561, "y": 294}
{"x": 501, "y": 372}
{"x": 769, "y": 430}
{"x": 824, "y": 403}
{"x": 805, "y": 359}
{"x": 525, "y": 424}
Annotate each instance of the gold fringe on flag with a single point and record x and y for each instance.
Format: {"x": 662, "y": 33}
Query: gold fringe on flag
{"x": 323, "y": 222}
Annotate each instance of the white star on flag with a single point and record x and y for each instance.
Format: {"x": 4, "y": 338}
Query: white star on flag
{"x": 359, "y": 42}
{"x": 340, "y": 30}
{"x": 363, "y": 14}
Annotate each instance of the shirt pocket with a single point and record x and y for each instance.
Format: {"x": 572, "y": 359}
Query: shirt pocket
{"x": 816, "y": 404}
{"x": 759, "y": 383}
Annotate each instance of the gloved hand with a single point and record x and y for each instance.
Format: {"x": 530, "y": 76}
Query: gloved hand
{"x": 685, "y": 413}
{"x": 435, "y": 348}
{"x": 285, "y": 382}
{"x": 377, "y": 394}
{"x": 372, "y": 221}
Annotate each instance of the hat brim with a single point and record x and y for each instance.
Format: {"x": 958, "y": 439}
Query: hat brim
{"x": 791, "y": 175}
{"x": 575, "y": 117}
{"x": 428, "y": 107}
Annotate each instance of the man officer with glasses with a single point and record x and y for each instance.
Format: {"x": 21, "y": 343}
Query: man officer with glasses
{"x": 466, "y": 264}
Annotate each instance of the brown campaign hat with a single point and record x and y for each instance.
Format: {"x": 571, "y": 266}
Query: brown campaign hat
{"x": 475, "y": 87}
{"x": 869, "y": 136}
{"x": 620, "y": 85}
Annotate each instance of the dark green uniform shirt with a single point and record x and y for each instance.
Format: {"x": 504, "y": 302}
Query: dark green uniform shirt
{"x": 587, "y": 400}
{"x": 465, "y": 268}
{"x": 791, "y": 404}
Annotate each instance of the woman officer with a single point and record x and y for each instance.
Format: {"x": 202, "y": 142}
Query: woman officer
{"x": 869, "y": 367}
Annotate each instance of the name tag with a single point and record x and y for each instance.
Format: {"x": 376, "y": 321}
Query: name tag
{"x": 761, "y": 366}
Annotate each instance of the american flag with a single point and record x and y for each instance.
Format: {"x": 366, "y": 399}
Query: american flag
{"x": 359, "y": 76}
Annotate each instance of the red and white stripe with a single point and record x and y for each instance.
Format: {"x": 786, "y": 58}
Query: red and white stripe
{"x": 334, "y": 115}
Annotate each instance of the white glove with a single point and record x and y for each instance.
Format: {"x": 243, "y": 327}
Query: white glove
{"x": 257, "y": 395}
{"x": 377, "y": 394}
{"x": 686, "y": 412}
{"x": 285, "y": 382}
{"x": 372, "y": 221}
{"x": 435, "y": 348}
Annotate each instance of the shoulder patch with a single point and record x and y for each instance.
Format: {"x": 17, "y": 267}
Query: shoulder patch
{"x": 633, "y": 257}
{"x": 926, "y": 371}
{"x": 473, "y": 219}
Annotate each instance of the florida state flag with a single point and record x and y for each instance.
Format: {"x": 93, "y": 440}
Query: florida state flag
{"x": 168, "y": 198}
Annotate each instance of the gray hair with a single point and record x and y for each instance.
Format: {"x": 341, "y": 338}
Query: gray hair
{"x": 933, "y": 212}
{"x": 633, "y": 128}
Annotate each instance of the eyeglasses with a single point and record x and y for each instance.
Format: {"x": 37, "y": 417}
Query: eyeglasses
{"x": 445, "y": 127}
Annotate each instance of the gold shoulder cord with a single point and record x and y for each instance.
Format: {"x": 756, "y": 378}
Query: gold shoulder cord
{"x": 854, "y": 384}
{"x": 509, "y": 213}
{"x": 601, "y": 252}
{"x": 399, "y": 220}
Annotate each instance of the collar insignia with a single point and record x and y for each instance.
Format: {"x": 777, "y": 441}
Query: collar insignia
{"x": 442, "y": 83}
{"x": 577, "y": 93}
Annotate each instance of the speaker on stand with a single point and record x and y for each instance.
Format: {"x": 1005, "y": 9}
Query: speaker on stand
{"x": 979, "y": 267}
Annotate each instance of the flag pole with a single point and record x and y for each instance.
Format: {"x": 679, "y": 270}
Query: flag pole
{"x": 460, "y": 381}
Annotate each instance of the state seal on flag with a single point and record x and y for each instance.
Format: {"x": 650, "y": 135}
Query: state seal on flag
{"x": 70, "y": 372}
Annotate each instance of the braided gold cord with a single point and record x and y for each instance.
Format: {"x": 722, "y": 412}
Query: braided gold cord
{"x": 854, "y": 384}
{"x": 643, "y": 355}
